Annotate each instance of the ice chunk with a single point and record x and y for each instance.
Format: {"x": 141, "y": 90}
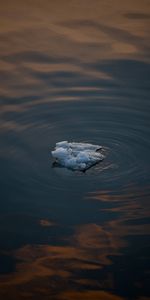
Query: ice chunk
{"x": 77, "y": 156}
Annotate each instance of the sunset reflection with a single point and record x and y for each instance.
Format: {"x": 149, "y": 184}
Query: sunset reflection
{"x": 90, "y": 249}
{"x": 76, "y": 71}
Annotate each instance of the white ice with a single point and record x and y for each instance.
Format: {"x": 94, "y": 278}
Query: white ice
{"x": 77, "y": 156}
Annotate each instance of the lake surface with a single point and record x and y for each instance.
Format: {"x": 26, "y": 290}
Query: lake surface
{"x": 76, "y": 71}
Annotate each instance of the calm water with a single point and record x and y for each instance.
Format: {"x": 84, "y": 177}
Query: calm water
{"x": 76, "y": 71}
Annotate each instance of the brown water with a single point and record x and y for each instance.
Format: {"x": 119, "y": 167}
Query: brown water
{"x": 76, "y": 71}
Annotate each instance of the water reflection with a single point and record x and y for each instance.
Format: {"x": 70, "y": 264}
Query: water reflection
{"x": 74, "y": 71}
{"x": 94, "y": 258}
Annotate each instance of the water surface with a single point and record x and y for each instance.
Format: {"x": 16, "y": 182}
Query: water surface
{"x": 76, "y": 71}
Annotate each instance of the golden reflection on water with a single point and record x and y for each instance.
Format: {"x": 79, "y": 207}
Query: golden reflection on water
{"x": 41, "y": 38}
{"x": 52, "y": 270}
{"x": 52, "y": 36}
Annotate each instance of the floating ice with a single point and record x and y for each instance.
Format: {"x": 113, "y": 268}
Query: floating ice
{"x": 77, "y": 156}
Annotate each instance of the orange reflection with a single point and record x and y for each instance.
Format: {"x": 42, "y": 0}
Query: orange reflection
{"x": 89, "y": 249}
{"x": 43, "y": 263}
{"x": 94, "y": 295}
{"x": 40, "y": 39}
{"x": 47, "y": 223}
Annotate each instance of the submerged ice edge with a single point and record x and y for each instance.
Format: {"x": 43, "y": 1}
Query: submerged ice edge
{"x": 77, "y": 156}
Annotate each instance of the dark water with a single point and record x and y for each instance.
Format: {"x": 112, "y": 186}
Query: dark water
{"x": 76, "y": 71}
